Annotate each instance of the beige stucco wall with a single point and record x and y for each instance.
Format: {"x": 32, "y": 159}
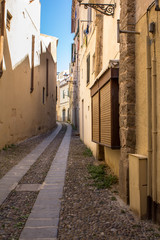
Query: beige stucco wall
{"x": 85, "y": 97}
{"x": 23, "y": 114}
{"x": 141, "y": 89}
{"x": 141, "y": 7}
{"x": 112, "y": 159}
{"x": 110, "y": 46}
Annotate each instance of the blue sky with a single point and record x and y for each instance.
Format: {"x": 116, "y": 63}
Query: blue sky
{"x": 56, "y": 21}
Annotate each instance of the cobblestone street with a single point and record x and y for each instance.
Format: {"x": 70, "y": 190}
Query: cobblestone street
{"x": 55, "y": 197}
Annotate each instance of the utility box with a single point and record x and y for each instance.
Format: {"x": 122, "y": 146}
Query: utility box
{"x": 138, "y": 184}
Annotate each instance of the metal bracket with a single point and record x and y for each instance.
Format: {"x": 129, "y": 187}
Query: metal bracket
{"x": 123, "y": 31}
{"x": 106, "y": 9}
{"x": 157, "y": 8}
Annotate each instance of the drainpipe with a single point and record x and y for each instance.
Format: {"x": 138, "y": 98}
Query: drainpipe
{"x": 152, "y": 125}
{"x": 154, "y": 131}
{"x": 149, "y": 130}
{"x": 149, "y": 118}
{"x": 2, "y": 36}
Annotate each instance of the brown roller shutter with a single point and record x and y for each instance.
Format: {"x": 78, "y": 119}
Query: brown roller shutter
{"x": 105, "y": 110}
{"x": 95, "y": 118}
{"x": 105, "y": 114}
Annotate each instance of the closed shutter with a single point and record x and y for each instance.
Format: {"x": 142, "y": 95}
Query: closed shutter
{"x": 105, "y": 114}
{"x": 95, "y": 118}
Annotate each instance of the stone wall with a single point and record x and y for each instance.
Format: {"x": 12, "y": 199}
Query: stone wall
{"x": 127, "y": 93}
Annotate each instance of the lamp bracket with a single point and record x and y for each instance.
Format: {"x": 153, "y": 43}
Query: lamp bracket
{"x": 107, "y": 9}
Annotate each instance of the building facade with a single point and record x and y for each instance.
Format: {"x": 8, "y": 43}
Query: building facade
{"x": 97, "y": 51}
{"x": 28, "y": 73}
{"x": 119, "y": 100}
{"x": 75, "y": 67}
{"x": 63, "y": 96}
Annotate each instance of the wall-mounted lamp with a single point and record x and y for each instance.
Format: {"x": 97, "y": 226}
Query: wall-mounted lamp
{"x": 123, "y": 31}
{"x": 157, "y": 8}
{"x": 107, "y": 9}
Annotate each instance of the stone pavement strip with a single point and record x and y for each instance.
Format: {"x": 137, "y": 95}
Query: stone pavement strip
{"x": 11, "y": 179}
{"x": 44, "y": 218}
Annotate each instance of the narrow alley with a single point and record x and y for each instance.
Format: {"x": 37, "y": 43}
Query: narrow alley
{"x": 52, "y": 195}
{"x": 79, "y": 120}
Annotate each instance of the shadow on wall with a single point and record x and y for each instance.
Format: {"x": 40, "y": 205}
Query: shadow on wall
{"x": 25, "y": 113}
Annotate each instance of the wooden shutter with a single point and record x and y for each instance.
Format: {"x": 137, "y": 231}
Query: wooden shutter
{"x": 95, "y": 118}
{"x": 105, "y": 114}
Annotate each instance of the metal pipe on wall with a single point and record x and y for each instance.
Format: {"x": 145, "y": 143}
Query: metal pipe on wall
{"x": 149, "y": 130}
{"x": 154, "y": 129}
{"x": 152, "y": 124}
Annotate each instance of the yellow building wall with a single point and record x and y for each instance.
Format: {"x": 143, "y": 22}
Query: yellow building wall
{"x": 112, "y": 159}
{"x": 111, "y": 52}
{"x": 22, "y": 113}
{"x": 141, "y": 88}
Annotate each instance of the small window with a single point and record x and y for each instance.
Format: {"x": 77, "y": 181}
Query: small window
{"x": 43, "y": 95}
{"x": 89, "y": 15}
{"x": 88, "y": 69}
{"x": 82, "y": 36}
{"x": 93, "y": 63}
{"x": 47, "y": 67}
{"x": 8, "y": 21}
{"x": 63, "y": 94}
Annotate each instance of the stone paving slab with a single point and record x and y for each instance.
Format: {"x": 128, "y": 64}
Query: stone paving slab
{"x": 28, "y": 187}
{"x": 11, "y": 179}
{"x": 44, "y": 218}
{"x": 30, "y": 233}
{"x": 42, "y": 222}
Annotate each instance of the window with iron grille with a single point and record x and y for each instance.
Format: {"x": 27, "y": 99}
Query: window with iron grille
{"x": 88, "y": 69}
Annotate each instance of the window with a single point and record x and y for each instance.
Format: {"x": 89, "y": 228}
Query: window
{"x": 73, "y": 54}
{"x": 47, "y": 61}
{"x": 82, "y": 35}
{"x": 88, "y": 69}
{"x": 63, "y": 94}
{"x": 56, "y": 94}
{"x": 43, "y": 99}
{"x": 89, "y": 15}
{"x": 8, "y": 21}
{"x": 93, "y": 63}
{"x": 32, "y": 63}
